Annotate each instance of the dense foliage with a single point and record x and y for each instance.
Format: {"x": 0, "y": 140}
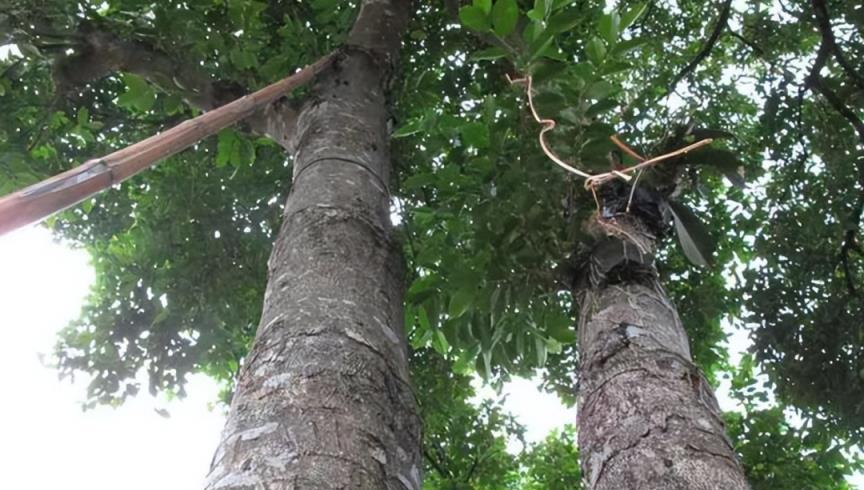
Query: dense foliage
{"x": 489, "y": 224}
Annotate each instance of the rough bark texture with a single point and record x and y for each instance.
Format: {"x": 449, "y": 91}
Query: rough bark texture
{"x": 324, "y": 400}
{"x": 647, "y": 417}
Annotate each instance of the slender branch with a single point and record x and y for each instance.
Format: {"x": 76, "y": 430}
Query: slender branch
{"x": 473, "y": 468}
{"x": 750, "y": 44}
{"x": 703, "y": 53}
{"x": 823, "y": 22}
{"x": 850, "y": 239}
{"x": 817, "y": 83}
{"x": 437, "y": 466}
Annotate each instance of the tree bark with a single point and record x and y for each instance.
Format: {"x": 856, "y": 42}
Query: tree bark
{"x": 647, "y": 416}
{"x": 323, "y": 400}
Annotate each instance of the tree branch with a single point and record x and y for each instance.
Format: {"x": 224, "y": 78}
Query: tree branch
{"x": 99, "y": 53}
{"x": 437, "y": 466}
{"x": 703, "y": 53}
{"x": 823, "y": 22}
{"x": 815, "y": 81}
{"x": 818, "y": 84}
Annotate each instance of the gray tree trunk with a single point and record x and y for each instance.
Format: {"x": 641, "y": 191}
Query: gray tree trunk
{"x": 647, "y": 417}
{"x": 323, "y": 400}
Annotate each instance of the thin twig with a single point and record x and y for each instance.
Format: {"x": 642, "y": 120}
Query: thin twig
{"x": 703, "y": 53}
{"x": 603, "y": 178}
{"x": 633, "y": 190}
{"x": 626, "y": 149}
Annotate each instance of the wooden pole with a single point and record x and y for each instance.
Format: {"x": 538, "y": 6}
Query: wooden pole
{"x": 38, "y": 201}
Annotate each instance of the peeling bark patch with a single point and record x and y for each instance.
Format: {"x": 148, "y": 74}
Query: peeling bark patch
{"x": 237, "y": 482}
{"x": 280, "y": 461}
{"x": 379, "y": 455}
{"x": 282, "y": 380}
{"x": 407, "y": 483}
{"x": 351, "y": 334}
{"x": 252, "y": 434}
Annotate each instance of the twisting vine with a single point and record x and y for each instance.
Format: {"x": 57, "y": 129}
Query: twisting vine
{"x": 593, "y": 181}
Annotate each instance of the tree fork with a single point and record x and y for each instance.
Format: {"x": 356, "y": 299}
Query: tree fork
{"x": 64, "y": 190}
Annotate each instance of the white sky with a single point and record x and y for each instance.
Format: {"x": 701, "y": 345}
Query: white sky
{"x": 48, "y": 442}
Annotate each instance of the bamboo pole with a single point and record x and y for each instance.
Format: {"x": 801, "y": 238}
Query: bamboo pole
{"x": 54, "y": 194}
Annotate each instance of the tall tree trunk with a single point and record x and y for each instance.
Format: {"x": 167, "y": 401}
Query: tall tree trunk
{"x": 324, "y": 400}
{"x": 647, "y": 417}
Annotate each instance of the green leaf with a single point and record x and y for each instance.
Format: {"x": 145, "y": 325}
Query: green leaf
{"x": 87, "y": 205}
{"x": 439, "y": 342}
{"x": 615, "y": 67}
{"x": 697, "y": 243}
{"x": 599, "y": 90}
{"x": 419, "y": 180}
{"x": 632, "y": 15}
{"x": 725, "y": 161}
{"x": 564, "y": 21}
{"x": 601, "y": 107}
{"x": 476, "y": 134}
{"x": 540, "y": 348}
{"x": 630, "y": 44}
{"x": 609, "y": 27}
{"x": 505, "y": 14}
{"x": 549, "y": 103}
{"x": 423, "y": 318}
{"x": 234, "y": 149}
{"x": 83, "y": 117}
{"x": 538, "y": 47}
{"x": 474, "y": 18}
{"x": 139, "y": 95}
{"x": 560, "y": 327}
{"x": 460, "y": 301}
{"x": 545, "y": 70}
{"x": 487, "y": 54}
{"x": 484, "y": 5}
{"x": 243, "y": 58}
{"x": 543, "y": 7}
{"x": 411, "y": 127}
{"x": 596, "y": 51}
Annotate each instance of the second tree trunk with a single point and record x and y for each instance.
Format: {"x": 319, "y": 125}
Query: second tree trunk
{"x": 648, "y": 419}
